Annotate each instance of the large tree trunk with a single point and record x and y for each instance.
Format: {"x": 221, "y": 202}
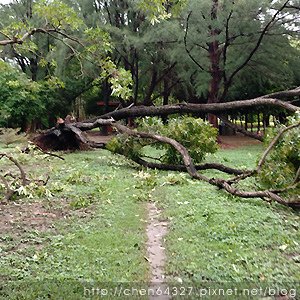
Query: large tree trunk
{"x": 187, "y": 108}
{"x": 215, "y": 70}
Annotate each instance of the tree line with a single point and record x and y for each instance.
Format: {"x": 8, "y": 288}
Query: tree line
{"x": 75, "y": 53}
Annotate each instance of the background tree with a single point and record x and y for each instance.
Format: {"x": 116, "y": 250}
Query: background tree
{"x": 221, "y": 40}
{"x": 192, "y": 51}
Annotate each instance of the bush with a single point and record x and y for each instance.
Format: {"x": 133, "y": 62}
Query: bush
{"x": 198, "y": 136}
{"x": 23, "y": 101}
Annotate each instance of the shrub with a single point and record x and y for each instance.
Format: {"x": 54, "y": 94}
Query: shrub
{"x": 23, "y": 101}
{"x": 198, "y": 136}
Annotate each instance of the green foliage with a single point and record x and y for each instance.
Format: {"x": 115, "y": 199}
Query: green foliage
{"x": 57, "y": 14}
{"x": 96, "y": 37}
{"x": 175, "y": 179}
{"x": 282, "y": 164}
{"x": 73, "y": 50}
{"x": 81, "y": 202}
{"x": 98, "y": 49}
{"x": 119, "y": 79}
{"x": 34, "y": 187}
{"x": 146, "y": 185}
{"x": 115, "y": 42}
{"x": 18, "y": 97}
{"x": 24, "y": 101}
{"x": 126, "y": 145}
{"x": 156, "y": 10}
{"x": 197, "y": 136}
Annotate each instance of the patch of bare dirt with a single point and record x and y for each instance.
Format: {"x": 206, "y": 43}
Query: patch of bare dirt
{"x": 19, "y": 216}
{"x": 18, "y": 219}
{"x": 156, "y": 231}
{"x": 96, "y": 136}
{"x": 236, "y": 141}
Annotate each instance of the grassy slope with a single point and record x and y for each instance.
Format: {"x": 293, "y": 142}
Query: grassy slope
{"x": 212, "y": 236}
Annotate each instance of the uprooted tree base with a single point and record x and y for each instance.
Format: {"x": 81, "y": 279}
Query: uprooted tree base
{"x": 71, "y": 137}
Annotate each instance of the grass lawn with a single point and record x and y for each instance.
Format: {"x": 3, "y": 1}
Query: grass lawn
{"x": 98, "y": 233}
{"x": 89, "y": 226}
{"x": 216, "y": 237}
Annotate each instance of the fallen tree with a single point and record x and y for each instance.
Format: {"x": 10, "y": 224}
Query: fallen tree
{"x": 188, "y": 108}
{"x": 227, "y": 185}
{"x": 188, "y": 166}
{"x": 71, "y": 136}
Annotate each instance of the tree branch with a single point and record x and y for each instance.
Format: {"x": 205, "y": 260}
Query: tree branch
{"x": 284, "y": 94}
{"x": 266, "y": 195}
{"x": 185, "y": 43}
{"x": 28, "y": 34}
{"x": 226, "y": 45}
{"x": 186, "y": 108}
{"x": 17, "y": 164}
{"x": 182, "y": 168}
{"x": 256, "y": 47}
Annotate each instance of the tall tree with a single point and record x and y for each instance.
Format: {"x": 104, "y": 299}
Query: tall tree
{"x": 221, "y": 39}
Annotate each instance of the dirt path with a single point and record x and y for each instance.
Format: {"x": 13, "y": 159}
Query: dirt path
{"x": 156, "y": 230}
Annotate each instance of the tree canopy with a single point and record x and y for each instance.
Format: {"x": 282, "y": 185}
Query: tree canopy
{"x": 154, "y": 52}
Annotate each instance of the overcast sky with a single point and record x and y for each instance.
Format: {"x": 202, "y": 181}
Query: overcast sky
{"x": 4, "y": 1}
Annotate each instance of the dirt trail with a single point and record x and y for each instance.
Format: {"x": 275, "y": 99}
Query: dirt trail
{"x": 156, "y": 230}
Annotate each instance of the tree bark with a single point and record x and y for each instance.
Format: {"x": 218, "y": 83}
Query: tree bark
{"x": 214, "y": 54}
{"x": 182, "y": 168}
{"x": 185, "y": 108}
